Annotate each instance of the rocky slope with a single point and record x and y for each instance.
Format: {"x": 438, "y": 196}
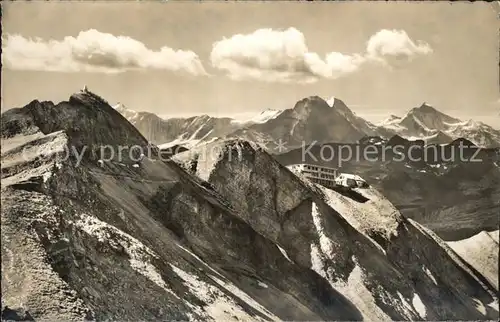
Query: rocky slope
{"x": 481, "y": 252}
{"x": 243, "y": 239}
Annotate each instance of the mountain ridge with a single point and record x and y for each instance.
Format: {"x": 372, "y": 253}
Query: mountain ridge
{"x": 232, "y": 236}
{"x": 289, "y": 125}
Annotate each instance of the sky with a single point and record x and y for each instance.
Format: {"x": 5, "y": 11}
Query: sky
{"x": 238, "y": 59}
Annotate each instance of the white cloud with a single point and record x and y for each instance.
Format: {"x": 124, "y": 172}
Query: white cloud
{"x": 394, "y": 43}
{"x": 94, "y": 51}
{"x": 275, "y": 55}
{"x": 283, "y": 56}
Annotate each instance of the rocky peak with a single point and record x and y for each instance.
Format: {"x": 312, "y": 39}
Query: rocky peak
{"x": 311, "y": 102}
{"x": 426, "y": 108}
{"x": 88, "y": 120}
{"x": 341, "y": 106}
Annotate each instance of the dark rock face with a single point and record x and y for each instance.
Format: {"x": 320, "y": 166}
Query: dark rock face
{"x": 277, "y": 205}
{"x": 235, "y": 236}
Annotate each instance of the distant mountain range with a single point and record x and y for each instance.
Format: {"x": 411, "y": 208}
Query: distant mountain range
{"x": 312, "y": 119}
{"x": 426, "y": 122}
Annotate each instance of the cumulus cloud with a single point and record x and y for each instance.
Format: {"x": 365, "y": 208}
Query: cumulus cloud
{"x": 283, "y": 55}
{"x": 94, "y": 51}
{"x": 388, "y": 44}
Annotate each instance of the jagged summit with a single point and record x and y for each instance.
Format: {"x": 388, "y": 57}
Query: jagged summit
{"x": 390, "y": 120}
{"x": 425, "y": 111}
{"x": 426, "y": 107}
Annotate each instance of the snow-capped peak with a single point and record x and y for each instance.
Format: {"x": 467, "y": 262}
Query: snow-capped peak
{"x": 424, "y": 109}
{"x": 120, "y": 106}
{"x": 126, "y": 112}
{"x": 262, "y": 117}
{"x": 390, "y": 120}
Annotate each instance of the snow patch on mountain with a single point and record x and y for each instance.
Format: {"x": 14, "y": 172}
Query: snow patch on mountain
{"x": 284, "y": 253}
{"x": 265, "y": 116}
{"x": 356, "y": 291}
{"x": 428, "y": 273}
{"x": 391, "y": 120}
{"x": 331, "y": 101}
{"x": 354, "y": 288}
{"x": 141, "y": 257}
{"x": 481, "y": 252}
{"x": 417, "y": 304}
{"x": 218, "y": 306}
